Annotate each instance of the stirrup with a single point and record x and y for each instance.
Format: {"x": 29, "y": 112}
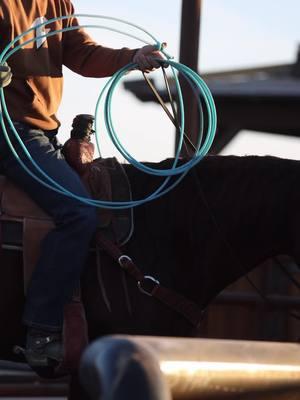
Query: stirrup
{"x": 45, "y": 366}
{"x": 44, "y": 350}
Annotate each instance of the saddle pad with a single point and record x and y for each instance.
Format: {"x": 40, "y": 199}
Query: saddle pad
{"x": 120, "y": 226}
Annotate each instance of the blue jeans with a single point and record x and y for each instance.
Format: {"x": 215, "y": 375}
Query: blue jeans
{"x": 64, "y": 250}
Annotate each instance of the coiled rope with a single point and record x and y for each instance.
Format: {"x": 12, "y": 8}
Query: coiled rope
{"x": 106, "y": 95}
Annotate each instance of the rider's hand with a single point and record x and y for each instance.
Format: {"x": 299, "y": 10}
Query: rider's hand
{"x": 145, "y": 58}
{"x": 5, "y": 75}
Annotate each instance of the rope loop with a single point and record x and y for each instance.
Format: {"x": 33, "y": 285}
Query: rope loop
{"x": 198, "y": 86}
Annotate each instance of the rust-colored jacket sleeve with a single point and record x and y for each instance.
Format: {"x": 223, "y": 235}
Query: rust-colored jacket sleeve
{"x": 82, "y": 55}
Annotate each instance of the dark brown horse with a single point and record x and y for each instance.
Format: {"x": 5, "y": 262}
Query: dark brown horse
{"x": 227, "y": 216}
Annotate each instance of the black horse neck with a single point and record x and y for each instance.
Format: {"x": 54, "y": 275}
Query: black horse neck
{"x": 226, "y": 217}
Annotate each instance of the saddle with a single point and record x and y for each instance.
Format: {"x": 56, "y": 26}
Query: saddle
{"x": 24, "y": 224}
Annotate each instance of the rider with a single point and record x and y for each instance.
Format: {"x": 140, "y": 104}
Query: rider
{"x": 33, "y": 88}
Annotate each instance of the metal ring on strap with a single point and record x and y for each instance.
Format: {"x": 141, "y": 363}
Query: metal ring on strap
{"x": 123, "y": 260}
{"x": 148, "y": 278}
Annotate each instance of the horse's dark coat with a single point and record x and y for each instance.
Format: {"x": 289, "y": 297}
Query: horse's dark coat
{"x": 226, "y": 217}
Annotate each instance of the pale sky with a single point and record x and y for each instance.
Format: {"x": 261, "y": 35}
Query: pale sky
{"x": 234, "y": 34}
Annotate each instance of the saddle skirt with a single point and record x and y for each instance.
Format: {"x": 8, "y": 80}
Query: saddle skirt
{"x": 24, "y": 224}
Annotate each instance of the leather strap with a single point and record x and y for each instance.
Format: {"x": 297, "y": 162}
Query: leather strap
{"x": 174, "y": 118}
{"x": 150, "y": 286}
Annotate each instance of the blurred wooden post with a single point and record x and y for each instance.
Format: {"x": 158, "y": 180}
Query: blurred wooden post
{"x": 189, "y": 50}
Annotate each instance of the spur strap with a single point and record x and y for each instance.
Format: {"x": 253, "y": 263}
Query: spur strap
{"x": 151, "y": 286}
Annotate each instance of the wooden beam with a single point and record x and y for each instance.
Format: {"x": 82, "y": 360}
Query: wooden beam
{"x": 189, "y": 52}
{"x": 190, "y": 29}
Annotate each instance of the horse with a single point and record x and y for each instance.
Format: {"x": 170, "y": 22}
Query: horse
{"x": 228, "y": 215}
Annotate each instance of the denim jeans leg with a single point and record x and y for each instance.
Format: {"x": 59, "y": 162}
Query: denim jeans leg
{"x": 64, "y": 250}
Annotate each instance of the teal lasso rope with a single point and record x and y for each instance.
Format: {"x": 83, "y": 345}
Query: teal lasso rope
{"x": 106, "y": 95}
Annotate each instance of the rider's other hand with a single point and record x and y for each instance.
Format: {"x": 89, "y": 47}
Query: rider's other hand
{"x": 5, "y": 75}
{"x": 146, "y": 57}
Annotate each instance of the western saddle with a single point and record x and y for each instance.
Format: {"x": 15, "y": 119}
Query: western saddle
{"x": 23, "y": 224}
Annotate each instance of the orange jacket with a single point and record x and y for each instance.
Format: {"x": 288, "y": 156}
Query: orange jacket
{"x": 35, "y": 92}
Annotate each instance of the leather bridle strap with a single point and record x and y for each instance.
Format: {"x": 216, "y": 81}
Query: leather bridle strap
{"x": 150, "y": 286}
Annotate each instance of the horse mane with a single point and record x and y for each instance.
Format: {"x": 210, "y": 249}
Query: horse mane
{"x": 223, "y": 173}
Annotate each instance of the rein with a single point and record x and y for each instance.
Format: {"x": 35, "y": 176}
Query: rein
{"x": 150, "y": 286}
{"x": 174, "y": 118}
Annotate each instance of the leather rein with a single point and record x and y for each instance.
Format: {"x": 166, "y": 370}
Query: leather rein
{"x": 150, "y": 286}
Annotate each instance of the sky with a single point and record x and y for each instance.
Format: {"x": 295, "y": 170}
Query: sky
{"x": 234, "y": 34}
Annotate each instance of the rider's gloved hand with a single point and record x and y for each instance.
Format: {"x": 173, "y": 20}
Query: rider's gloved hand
{"x": 146, "y": 56}
{"x": 5, "y": 75}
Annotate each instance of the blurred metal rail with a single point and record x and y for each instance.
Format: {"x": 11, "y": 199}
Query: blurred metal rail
{"x": 196, "y": 369}
{"x": 192, "y": 369}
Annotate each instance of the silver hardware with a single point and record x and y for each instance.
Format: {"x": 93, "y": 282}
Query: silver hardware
{"x": 150, "y": 278}
{"x": 18, "y": 350}
{"x": 123, "y": 260}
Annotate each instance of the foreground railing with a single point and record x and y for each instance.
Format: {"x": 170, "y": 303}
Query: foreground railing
{"x": 161, "y": 368}
{"x": 157, "y": 368}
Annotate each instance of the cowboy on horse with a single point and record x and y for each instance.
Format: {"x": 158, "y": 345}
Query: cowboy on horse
{"x": 33, "y": 87}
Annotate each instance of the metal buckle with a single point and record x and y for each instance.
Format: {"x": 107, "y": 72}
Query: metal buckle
{"x": 149, "y": 278}
{"x": 123, "y": 260}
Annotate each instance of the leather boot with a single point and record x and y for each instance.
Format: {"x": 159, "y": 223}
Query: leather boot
{"x": 43, "y": 348}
